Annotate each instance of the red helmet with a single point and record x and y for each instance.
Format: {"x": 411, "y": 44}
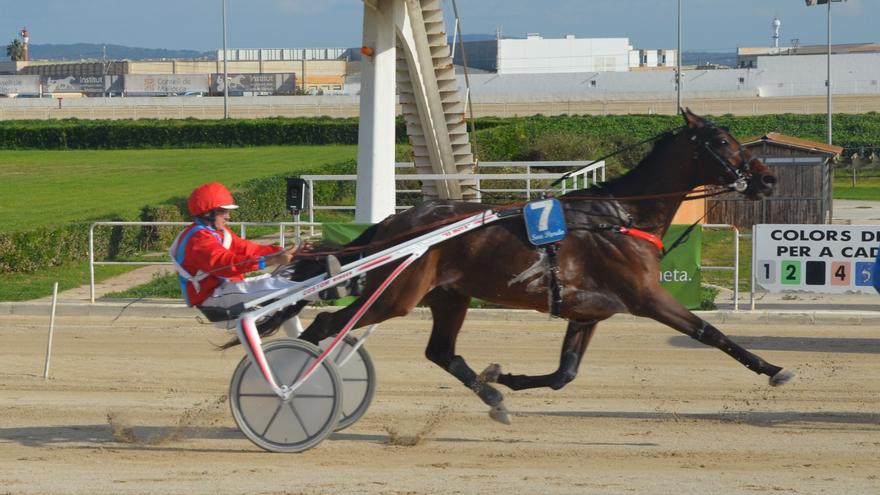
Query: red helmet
{"x": 208, "y": 197}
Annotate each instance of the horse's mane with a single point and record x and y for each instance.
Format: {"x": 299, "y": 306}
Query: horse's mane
{"x": 660, "y": 144}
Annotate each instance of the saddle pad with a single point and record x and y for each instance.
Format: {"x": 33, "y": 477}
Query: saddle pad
{"x": 545, "y": 221}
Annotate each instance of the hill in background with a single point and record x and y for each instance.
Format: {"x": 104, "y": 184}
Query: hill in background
{"x": 94, "y": 51}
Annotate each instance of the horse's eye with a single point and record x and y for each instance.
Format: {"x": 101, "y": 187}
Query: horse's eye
{"x": 724, "y": 142}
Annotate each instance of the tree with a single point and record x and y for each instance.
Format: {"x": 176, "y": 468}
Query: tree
{"x": 15, "y": 50}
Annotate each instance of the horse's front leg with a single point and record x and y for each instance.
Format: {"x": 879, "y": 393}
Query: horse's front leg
{"x": 448, "y": 309}
{"x": 577, "y": 338}
{"x": 659, "y": 305}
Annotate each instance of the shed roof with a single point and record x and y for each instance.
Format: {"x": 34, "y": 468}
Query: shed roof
{"x": 793, "y": 142}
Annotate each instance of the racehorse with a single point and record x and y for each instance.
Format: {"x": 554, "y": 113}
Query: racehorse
{"x": 601, "y": 271}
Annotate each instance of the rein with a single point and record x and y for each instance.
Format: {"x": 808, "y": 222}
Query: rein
{"x": 615, "y": 152}
{"x": 509, "y": 210}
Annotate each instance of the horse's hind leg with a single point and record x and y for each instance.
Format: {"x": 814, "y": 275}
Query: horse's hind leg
{"x": 398, "y": 299}
{"x": 577, "y": 338}
{"x": 662, "y": 307}
{"x": 448, "y": 309}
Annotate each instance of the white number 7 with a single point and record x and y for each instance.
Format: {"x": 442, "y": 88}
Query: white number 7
{"x": 546, "y": 206}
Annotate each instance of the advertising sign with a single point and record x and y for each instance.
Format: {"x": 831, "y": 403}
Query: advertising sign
{"x": 74, "y": 84}
{"x": 166, "y": 84}
{"x": 19, "y": 85}
{"x": 815, "y": 258}
{"x": 680, "y": 270}
{"x": 256, "y": 83}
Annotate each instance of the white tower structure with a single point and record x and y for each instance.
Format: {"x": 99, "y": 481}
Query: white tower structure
{"x": 405, "y": 48}
{"x": 776, "y": 23}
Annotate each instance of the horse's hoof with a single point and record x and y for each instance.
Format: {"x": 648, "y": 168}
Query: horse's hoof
{"x": 781, "y": 378}
{"x": 499, "y": 413}
{"x": 490, "y": 374}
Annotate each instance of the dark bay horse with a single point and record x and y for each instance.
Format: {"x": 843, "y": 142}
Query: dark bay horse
{"x": 601, "y": 271}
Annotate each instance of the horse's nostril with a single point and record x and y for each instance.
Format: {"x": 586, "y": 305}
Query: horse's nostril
{"x": 768, "y": 180}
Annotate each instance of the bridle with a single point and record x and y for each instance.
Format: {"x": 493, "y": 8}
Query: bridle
{"x": 739, "y": 175}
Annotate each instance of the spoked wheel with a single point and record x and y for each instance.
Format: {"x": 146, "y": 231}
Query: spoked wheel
{"x": 296, "y": 424}
{"x": 358, "y": 380}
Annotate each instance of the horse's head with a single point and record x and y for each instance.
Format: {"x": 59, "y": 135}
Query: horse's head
{"x": 731, "y": 163}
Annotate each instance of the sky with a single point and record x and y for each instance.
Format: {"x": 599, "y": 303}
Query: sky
{"x": 708, "y": 25}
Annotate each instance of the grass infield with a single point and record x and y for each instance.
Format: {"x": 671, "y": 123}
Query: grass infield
{"x": 51, "y": 187}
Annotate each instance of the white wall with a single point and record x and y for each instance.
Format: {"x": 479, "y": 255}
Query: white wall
{"x": 537, "y": 55}
{"x": 804, "y": 75}
{"x": 583, "y": 86}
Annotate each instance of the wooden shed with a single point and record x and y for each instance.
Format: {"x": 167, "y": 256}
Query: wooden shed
{"x": 803, "y": 189}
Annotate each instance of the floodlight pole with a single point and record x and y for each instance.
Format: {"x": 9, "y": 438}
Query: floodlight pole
{"x": 828, "y": 81}
{"x": 678, "y": 64}
{"x": 828, "y": 61}
{"x": 225, "y": 75}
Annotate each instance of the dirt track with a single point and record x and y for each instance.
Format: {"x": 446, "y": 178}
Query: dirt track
{"x": 135, "y": 407}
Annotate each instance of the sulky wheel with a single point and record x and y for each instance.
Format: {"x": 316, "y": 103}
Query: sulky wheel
{"x": 296, "y": 424}
{"x": 358, "y": 380}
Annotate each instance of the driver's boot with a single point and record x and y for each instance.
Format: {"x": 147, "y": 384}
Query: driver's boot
{"x": 333, "y": 269}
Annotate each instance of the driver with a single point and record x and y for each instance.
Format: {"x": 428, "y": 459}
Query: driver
{"x": 211, "y": 260}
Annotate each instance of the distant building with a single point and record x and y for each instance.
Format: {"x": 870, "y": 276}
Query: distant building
{"x": 538, "y": 55}
{"x": 316, "y": 70}
{"x": 747, "y": 57}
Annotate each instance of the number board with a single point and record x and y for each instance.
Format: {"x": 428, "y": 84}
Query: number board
{"x": 815, "y": 258}
{"x": 545, "y": 221}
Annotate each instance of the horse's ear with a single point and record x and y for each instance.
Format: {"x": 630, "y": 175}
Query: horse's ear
{"x": 691, "y": 119}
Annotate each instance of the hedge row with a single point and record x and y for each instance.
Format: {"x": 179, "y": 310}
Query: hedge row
{"x": 498, "y": 138}
{"x": 260, "y": 200}
{"x": 189, "y": 133}
{"x": 857, "y": 133}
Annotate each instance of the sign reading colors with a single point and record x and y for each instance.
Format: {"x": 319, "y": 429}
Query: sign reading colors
{"x": 815, "y": 258}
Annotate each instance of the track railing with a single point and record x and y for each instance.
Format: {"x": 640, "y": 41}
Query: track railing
{"x": 242, "y": 229}
{"x": 735, "y": 267}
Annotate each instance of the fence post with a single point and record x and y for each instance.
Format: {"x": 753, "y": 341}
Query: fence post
{"x": 311, "y": 207}
{"x": 51, "y": 331}
{"x": 752, "y": 274}
{"x": 735, "y": 267}
{"x": 92, "y": 263}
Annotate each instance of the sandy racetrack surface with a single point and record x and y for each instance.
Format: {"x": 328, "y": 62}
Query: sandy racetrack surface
{"x": 138, "y": 406}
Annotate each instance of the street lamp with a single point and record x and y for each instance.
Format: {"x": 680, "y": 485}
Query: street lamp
{"x": 828, "y": 77}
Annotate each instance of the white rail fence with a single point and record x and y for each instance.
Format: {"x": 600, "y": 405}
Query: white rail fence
{"x": 242, "y": 229}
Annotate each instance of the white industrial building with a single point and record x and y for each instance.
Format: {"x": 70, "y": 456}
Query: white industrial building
{"x": 538, "y": 55}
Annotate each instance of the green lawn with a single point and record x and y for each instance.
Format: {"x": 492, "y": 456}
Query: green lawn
{"x": 27, "y": 286}
{"x": 50, "y": 187}
{"x": 867, "y": 188}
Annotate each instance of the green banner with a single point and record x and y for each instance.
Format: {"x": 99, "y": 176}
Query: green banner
{"x": 680, "y": 269}
{"x": 342, "y": 233}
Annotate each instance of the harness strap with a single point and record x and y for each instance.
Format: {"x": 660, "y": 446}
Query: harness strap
{"x": 555, "y": 287}
{"x": 641, "y": 234}
{"x": 178, "y": 250}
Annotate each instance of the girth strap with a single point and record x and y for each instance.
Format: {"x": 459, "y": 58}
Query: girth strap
{"x": 555, "y": 294}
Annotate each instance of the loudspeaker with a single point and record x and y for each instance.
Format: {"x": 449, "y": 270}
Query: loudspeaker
{"x": 297, "y": 191}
